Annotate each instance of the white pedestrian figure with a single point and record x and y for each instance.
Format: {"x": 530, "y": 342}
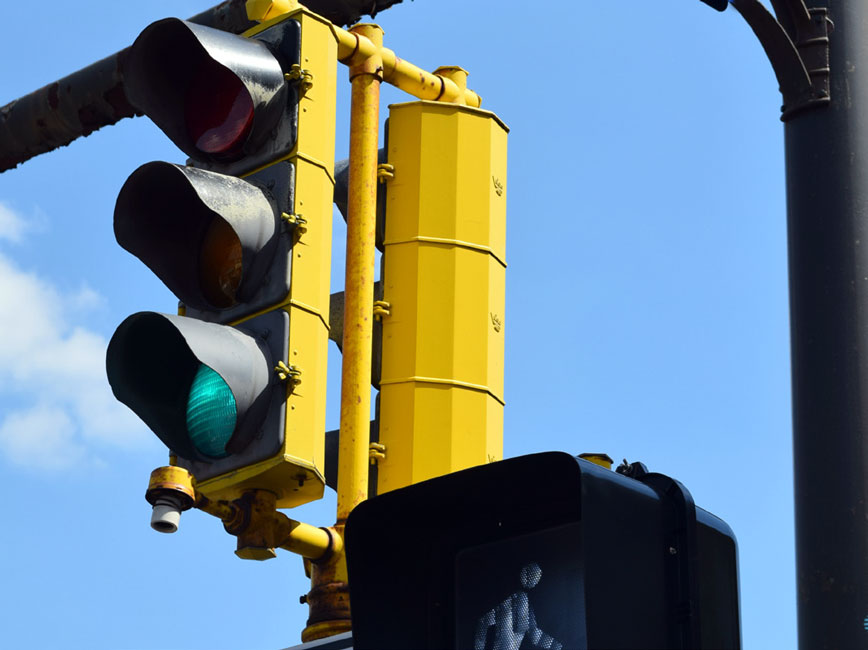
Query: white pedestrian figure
{"x": 513, "y": 619}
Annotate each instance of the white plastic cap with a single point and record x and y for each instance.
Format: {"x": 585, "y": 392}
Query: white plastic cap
{"x": 165, "y": 517}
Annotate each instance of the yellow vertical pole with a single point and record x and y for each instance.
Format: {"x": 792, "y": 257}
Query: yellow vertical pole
{"x": 329, "y": 594}
{"x": 359, "y": 288}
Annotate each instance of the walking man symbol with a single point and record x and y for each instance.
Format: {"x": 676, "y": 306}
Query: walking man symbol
{"x": 513, "y": 620}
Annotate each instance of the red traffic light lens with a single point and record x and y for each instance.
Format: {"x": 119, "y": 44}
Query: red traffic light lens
{"x": 218, "y": 111}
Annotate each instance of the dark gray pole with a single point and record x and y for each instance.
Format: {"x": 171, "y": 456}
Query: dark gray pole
{"x": 827, "y": 211}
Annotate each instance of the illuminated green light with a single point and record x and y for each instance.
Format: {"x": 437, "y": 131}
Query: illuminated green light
{"x": 211, "y": 413}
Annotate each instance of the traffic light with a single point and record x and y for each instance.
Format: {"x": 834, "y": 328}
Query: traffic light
{"x": 444, "y": 275}
{"x": 235, "y": 384}
{"x": 222, "y": 99}
{"x": 545, "y": 551}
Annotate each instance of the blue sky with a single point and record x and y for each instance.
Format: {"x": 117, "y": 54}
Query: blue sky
{"x": 646, "y": 307}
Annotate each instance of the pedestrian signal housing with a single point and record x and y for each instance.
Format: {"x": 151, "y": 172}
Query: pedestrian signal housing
{"x": 544, "y": 551}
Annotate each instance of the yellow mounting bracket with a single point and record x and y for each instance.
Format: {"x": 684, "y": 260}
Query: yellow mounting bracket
{"x": 381, "y": 308}
{"x": 297, "y": 223}
{"x": 253, "y": 518}
{"x": 304, "y": 77}
{"x": 376, "y": 452}
{"x": 385, "y": 172}
{"x": 288, "y": 373}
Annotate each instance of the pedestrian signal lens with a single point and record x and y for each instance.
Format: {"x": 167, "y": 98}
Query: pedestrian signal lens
{"x": 220, "y": 264}
{"x": 211, "y": 413}
{"x": 515, "y": 591}
{"x": 218, "y": 111}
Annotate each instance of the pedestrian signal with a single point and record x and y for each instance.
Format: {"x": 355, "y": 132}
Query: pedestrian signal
{"x": 542, "y": 551}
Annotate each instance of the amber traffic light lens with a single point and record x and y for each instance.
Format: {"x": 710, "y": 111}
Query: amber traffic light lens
{"x": 220, "y": 264}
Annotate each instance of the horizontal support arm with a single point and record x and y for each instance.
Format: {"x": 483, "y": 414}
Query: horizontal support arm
{"x": 93, "y": 97}
{"x": 442, "y": 85}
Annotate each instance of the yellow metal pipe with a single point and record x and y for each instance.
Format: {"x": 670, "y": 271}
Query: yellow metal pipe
{"x": 306, "y": 540}
{"x": 329, "y": 595}
{"x": 359, "y": 286}
{"x": 260, "y": 528}
{"x": 355, "y": 47}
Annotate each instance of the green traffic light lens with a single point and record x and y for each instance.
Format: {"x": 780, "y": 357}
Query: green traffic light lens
{"x": 211, "y": 413}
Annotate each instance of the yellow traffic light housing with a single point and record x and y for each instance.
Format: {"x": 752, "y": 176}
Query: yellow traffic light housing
{"x": 441, "y": 387}
{"x": 235, "y": 385}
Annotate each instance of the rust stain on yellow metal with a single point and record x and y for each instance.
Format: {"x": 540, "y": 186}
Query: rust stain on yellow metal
{"x": 223, "y": 510}
{"x": 174, "y": 479}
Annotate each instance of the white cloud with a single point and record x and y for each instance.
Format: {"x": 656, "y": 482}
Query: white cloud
{"x": 43, "y": 437}
{"x": 85, "y": 299}
{"x": 57, "y": 408}
{"x": 12, "y": 226}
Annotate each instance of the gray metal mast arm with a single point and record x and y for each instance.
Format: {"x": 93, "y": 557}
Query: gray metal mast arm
{"x": 94, "y": 97}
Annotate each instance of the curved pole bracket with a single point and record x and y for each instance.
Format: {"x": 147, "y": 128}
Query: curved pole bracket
{"x": 797, "y": 45}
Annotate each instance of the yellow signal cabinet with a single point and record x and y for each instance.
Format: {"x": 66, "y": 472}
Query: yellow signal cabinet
{"x": 441, "y": 387}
